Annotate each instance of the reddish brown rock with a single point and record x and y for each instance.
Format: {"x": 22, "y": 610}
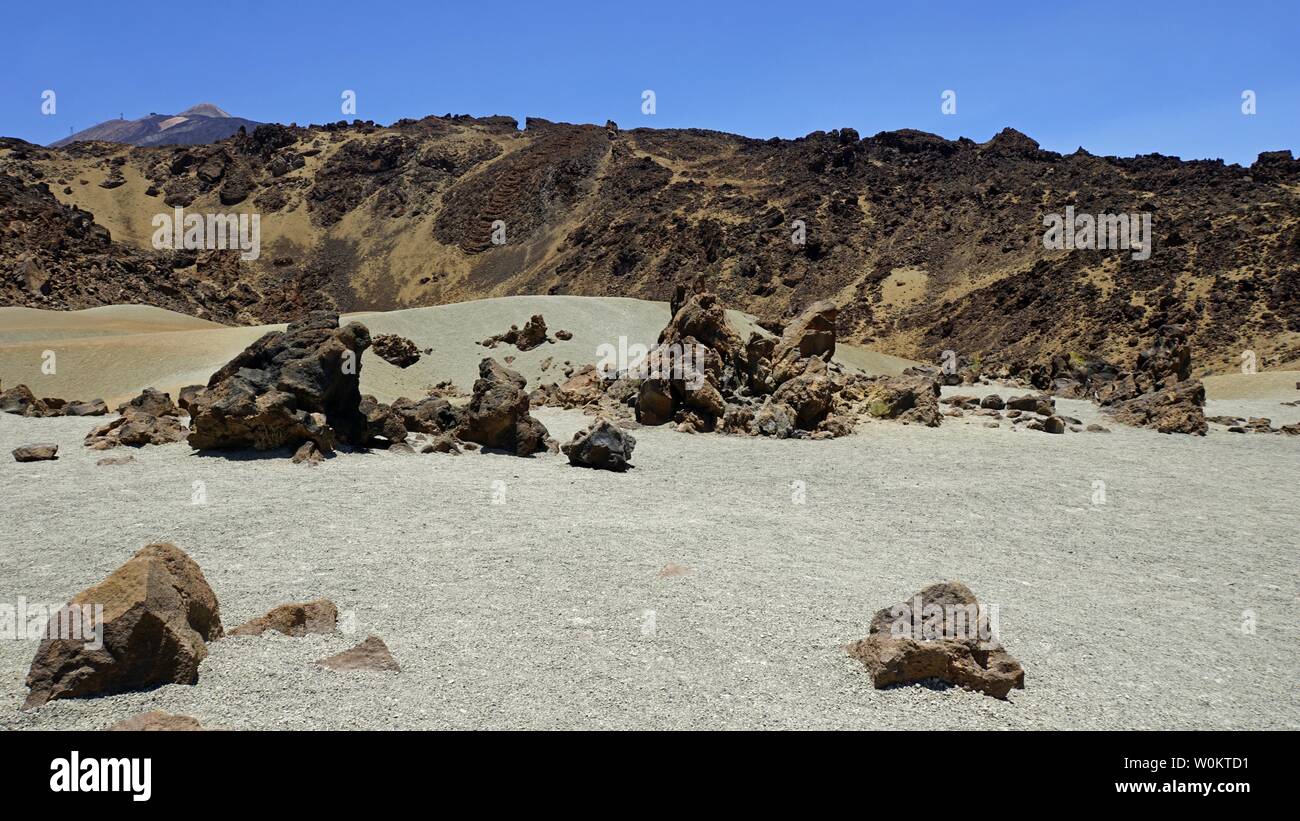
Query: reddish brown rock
{"x": 136, "y": 428}
{"x": 371, "y": 654}
{"x": 298, "y": 619}
{"x": 158, "y": 614}
{"x": 152, "y": 402}
{"x": 943, "y": 633}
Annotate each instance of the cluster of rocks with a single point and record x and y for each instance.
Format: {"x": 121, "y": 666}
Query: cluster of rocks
{"x": 532, "y": 335}
{"x": 151, "y": 418}
{"x": 1035, "y": 411}
{"x": 158, "y": 616}
{"x": 20, "y": 401}
{"x": 1158, "y": 392}
{"x": 702, "y": 377}
{"x": 1253, "y": 424}
{"x": 943, "y": 633}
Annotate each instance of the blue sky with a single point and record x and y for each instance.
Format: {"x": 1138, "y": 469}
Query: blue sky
{"x": 1116, "y": 78}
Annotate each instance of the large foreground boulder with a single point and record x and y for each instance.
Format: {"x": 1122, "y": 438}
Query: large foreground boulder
{"x": 158, "y": 613}
{"x": 942, "y": 633}
{"x": 497, "y": 415}
{"x": 603, "y": 445}
{"x": 288, "y": 387}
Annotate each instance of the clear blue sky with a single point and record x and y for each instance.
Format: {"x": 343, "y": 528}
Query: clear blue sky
{"x": 1116, "y": 78}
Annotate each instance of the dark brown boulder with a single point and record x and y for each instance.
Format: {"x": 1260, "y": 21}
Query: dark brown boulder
{"x": 158, "y": 614}
{"x": 384, "y": 427}
{"x": 943, "y": 633}
{"x": 288, "y": 387}
{"x": 1033, "y": 403}
{"x": 602, "y": 445}
{"x": 654, "y": 404}
{"x": 188, "y": 395}
{"x": 433, "y": 414}
{"x": 497, "y": 415}
{"x": 396, "y": 350}
{"x": 297, "y": 619}
{"x": 808, "y": 396}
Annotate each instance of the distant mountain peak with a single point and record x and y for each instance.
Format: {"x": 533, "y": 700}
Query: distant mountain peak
{"x": 204, "y": 110}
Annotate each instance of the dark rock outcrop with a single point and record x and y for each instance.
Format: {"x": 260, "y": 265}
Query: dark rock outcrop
{"x": 286, "y": 388}
{"x": 497, "y": 415}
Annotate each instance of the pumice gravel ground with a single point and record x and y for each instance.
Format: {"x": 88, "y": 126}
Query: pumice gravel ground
{"x": 523, "y": 593}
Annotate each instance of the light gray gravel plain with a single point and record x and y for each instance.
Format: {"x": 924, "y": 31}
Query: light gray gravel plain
{"x": 545, "y": 608}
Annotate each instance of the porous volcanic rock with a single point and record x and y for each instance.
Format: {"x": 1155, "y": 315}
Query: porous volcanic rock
{"x": 941, "y": 633}
{"x": 602, "y": 445}
{"x": 151, "y": 401}
{"x": 158, "y": 615}
{"x": 396, "y": 350}
{"x": 497, "y": 415}
{"x": 910, "y": 397}
{"x": 286, "y": 388}
{"x": 433, "y": 414}
{"x": 296, "y": 619}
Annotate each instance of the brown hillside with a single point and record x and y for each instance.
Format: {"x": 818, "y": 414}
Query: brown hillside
{"x": 926, "y": 244}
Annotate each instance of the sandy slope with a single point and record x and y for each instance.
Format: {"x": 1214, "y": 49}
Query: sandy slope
{"x": 547, "y": 610}
{"x": 115, "y": 351}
